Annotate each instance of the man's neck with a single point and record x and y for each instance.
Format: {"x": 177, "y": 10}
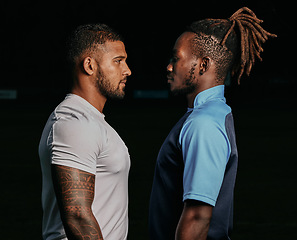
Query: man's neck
{"x": 92, "y": 96}
{"x": 190, "y": 99}
{"x": 191, "y": 96}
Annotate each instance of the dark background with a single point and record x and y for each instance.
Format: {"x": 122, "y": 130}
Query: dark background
{"x": 33, "y": 36}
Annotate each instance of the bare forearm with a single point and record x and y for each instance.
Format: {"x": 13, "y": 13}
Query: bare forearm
{"x": 82, "y": 228}
{"x": 75, "y": 193}
{"x": 194, "y": 221}
{"x": 192, "y": 229}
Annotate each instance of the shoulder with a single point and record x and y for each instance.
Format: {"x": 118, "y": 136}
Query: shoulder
{"x": 76, "y": 112}
{"x": 206, "y": 121}
{"x": 75, "y": 122}
{"x": 204, "y": 133}
{"x": 209, "y": 114}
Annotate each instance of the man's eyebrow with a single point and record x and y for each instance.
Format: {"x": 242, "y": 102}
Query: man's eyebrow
{"x": 120, "y": 57}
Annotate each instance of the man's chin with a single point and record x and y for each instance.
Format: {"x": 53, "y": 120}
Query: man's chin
{"x": 181, "y": 91}
{"x": 175, "y": 92}
{"x": 118, "y": 95}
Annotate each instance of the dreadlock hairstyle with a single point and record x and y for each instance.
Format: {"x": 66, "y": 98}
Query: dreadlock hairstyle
{"x": 87, "y": 37}
{"x": 234, "y": 43}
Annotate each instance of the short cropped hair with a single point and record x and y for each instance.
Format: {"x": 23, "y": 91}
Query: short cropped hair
{"x": 87, "y": 37}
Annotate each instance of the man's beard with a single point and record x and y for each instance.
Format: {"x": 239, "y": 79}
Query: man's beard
{"x": 104, "y": 86}
{"x": 189, "y": 85}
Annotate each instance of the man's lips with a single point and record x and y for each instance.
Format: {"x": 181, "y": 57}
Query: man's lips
{"x": 169, "y": 78}
{"x": 123, "y": 81}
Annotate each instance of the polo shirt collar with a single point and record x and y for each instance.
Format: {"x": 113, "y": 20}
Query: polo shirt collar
{"x": 209, "y": 94}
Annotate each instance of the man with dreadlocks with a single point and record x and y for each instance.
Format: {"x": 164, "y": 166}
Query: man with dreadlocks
{"x": 192, "y": 193}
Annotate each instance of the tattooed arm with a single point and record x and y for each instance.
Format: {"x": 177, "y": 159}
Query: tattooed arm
{"x": 75, "y": 193}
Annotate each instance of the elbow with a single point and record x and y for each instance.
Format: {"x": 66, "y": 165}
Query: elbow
{"x": 198, "y": 211}
{"x": 194, "y": 221}
{"x": 201, "y": 217}
{"x": 75, "y": 216}
{"x": 78, "y": 224}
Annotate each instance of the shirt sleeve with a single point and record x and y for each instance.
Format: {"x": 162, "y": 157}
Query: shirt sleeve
{"x": 206, "y": 150}
{"x": 74, "y": 143}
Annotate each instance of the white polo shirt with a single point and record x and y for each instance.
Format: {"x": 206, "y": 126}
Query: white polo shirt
{"x": 77, "y": 135}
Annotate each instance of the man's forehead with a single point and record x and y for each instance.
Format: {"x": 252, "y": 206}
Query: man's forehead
{"x": 183, "y": 43}
{"x": 114, "y": 48}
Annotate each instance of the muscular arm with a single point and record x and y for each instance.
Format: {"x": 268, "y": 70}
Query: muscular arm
{"x": 75, "y": 193}
{"x": 194, "y": 221}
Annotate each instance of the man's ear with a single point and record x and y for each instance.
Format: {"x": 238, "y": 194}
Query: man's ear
{"x": 204, "y": 65}
{"x": 88, "y": 65}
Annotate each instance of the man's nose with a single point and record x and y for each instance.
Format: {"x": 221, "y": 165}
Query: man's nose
{"x": 127, "y": 70}
{"x": 169, "y": 67}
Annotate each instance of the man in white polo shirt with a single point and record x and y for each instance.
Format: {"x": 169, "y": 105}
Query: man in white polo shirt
{"x": 84, "y": 162}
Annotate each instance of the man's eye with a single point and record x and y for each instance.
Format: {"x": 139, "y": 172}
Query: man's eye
{"x": 173, "y": 59}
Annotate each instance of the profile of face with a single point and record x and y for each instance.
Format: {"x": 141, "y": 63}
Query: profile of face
{"x": 181, "y": 71}
{"x": 112, "y": 70}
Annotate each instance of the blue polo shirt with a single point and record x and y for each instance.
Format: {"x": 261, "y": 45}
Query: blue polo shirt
{"x": 197, "y": 161}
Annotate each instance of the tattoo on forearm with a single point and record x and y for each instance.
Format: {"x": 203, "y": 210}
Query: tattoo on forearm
{"x": 89, "y": 232}
{"x": 75, "y": 190}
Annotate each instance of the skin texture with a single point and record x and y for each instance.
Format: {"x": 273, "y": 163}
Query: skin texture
{"x": 98, "y": 75}
{"x": 194, "y": 221}
{"x": 102, "y": 74}
{"x": 190, "y": 75}
{"x": 75, "y": 194}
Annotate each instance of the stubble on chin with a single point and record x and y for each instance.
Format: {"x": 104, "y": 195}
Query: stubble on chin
{"x": 104, "y": 87}
{"x": 189, "y": 85}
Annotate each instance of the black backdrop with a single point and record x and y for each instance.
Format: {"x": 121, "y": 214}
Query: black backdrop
{"x": 34, "y": 34}
{"x": 32, "y": 50}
